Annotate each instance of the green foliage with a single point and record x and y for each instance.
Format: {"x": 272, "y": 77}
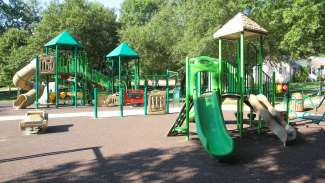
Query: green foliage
{"x": 162, "y": 32}
{"x": 296, "y": 27}
{"x": 18, "y": 14}
{"x": 302, "y": 76}
{"x": 90, "y": 23}
{"x": 177, "y": 30}
{"x": 13, "y": 53}
{"x": 139, "y": 12}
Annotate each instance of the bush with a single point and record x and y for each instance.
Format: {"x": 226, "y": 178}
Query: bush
{"x": 301, "y": 77}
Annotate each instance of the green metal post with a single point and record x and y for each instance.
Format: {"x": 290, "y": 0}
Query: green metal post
{"x": 242, "y": 74}
{"x": 145, "y": 107}
{"x": 127, "y": 75}
{"x": 220, "y": 66}
{"x": 36, "y": 80}
{"x": 167, "y": 92}
{"x": 138, "y": 73}
{"x": 91, "y": 80}
{"x": 47, "y": 83}
{"x": 198, "y": 83}
{"x": 260, "y": 66}
{"x": 260, "y": 77}
{"x": 95, "y": 103}
{"x": 120, "y": 85}
{"x": 75, "y": 77}
{"x": 288, "y": 104}
{"x": 273, "y": 89}
{"x": 112, "y": 76}
{"x": 84, "y": 80}
{"x": 47, "y": 91}
{"x": 187, "y": 101}
{"x": 56, "y": 76}
{"x": 135, "y": 74}
{"x": 237, "y": 84}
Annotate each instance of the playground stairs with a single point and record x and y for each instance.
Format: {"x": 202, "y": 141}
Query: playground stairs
{"x": 177, "y": 128}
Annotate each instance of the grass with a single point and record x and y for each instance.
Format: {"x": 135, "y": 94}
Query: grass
{"x": 5, "y": 95}
{"x": 305, "y": 86}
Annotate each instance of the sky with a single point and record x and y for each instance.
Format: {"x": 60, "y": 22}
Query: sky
{"x": 113, "y": 4}
{"x": 108, "y": 3}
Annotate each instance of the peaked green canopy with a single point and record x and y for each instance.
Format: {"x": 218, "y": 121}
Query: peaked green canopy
{"x": 64, "y": 39}
{"x": 123, "y": 50}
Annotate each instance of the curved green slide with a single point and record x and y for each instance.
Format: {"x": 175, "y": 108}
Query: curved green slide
{"x": 210, "y": 126}
{"x": 209, "y": 119}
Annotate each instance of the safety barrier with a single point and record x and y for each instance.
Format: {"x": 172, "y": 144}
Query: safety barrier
{"x": 157, "y": 102}
{"x": 46, "y": 64}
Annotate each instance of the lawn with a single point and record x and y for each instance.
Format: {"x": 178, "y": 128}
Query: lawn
{"x": 5, "y": 95}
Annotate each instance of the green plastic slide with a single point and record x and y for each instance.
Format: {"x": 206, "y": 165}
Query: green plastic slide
{"x": 210, "y": 126}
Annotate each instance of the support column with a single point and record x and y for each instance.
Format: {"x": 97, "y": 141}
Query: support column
{"x": 113, "y": 76}
{"x": 220, "y": 66}
{"x": 288, "y": 96}
{"x": 273, "y": 89}
{"x": 84, "y": 80}
{"x": 120, "y": 85}
{"x": 135, "y": 74}
{"x": 187, "y": 101}
{"x": 47, "y": 82}
{"x": 95, "y": 103}
{"x": 260, "y": 66}
{"x": 75, "y": 76}
{"x": 260, "y": 76}
{"x": 56, "y": 76}
{"x": 145, "y": 105}
{"x": 138, "y": 73}
{"x": 36, "y": 80}
{"x": 241, "y": 83}
{"x": 127, "y": 75}
{"x": 237, "y": 85}
{"x": 167, "y": 91}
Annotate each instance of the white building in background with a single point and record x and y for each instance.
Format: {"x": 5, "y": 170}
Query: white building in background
{"x": 316, "y": 67}
{"x": 284, "y": 71}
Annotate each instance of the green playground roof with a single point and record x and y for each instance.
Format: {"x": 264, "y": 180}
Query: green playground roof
{"x": 123, "y": 50}
{"x": 64, "y": 39}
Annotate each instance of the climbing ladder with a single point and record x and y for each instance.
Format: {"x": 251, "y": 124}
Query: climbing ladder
{"x": 177, "y": 127}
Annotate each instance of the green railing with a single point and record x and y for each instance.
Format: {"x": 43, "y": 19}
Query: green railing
{"x": 229, "y": 79}
{"x": 67, "y": 66}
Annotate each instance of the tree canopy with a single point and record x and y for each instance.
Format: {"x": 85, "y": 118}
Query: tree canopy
{"x": 163, "y": 32}
{"x": 91, "y": 23}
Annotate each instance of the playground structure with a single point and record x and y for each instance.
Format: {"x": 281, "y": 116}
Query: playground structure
{"x": 209, "y": 81}
{"x": 66, "y": 60}
{"x": 130, "y": 91}
{"x": 75, "y": 81}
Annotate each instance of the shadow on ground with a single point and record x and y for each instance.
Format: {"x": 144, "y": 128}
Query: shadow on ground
{"x": 58, "y": 128}
{"x": 257, "y": 158}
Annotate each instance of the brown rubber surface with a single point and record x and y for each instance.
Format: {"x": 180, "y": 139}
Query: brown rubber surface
{"x": 136, "y": 149}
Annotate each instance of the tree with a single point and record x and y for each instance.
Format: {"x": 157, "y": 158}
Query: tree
{"x": 19, "y": 14}
{"x": 13, "y": 52}
{"x": 139, "y": 12}
{"x": 296, "y": 27}
{"x": 178, "y": 29}
{"x": 91, "y": 23}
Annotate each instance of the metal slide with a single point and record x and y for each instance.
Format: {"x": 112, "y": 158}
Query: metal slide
{"x": 210, "y": 125}
{"x": 272, "y": 119}
{"x": 21, "y": 80}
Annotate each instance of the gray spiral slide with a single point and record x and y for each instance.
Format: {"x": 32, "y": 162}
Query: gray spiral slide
{"x": 22, "y": 80}
{"x": 272, "y": 118}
